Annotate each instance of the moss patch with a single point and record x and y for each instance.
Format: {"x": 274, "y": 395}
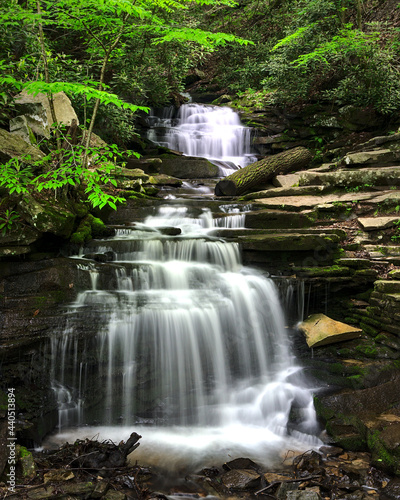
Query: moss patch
{"x": 89, "y": 227}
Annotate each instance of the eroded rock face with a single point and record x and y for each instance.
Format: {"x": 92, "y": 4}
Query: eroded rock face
{"x": 36, "y": 109}
{"x": 47, "y": 218}
{"x": 13, "y": 146}
{"x": 320, "y": 330}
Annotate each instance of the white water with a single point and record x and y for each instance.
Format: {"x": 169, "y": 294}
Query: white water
{"x": 206, "y": 131}
{"x": 188, "y": 342}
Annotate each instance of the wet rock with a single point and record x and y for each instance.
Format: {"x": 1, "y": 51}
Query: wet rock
{"x": 100, "y": 257}
{"x": 320, "y": 330}
{"x": 170, "y": 231}
{"x": 286, "y": 488}
{"x": 392, "y": 490}
{"x": 241, "y": 463}
{"x": 132, "y": 173}
{"x": 183, "y": 167}
{"x": 79, "y": 489}
{"x": 241, "y": 479}
{"x": 165, "y": 180}
{"x": 356, "y": 263}
{"x": 22, "y": 236}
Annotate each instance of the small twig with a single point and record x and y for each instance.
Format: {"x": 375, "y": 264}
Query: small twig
{"x": 274, "y": 483}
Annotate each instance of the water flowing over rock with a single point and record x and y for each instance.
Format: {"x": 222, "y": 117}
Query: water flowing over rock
{"x": 180, "y": 334}
{"x": 206, "y": 131}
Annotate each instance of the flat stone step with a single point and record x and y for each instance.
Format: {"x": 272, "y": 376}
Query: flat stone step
{"x": 292, "y": 242}
{"x": 387, "y": 286}
{"x": 378, "y": 223}
{"x": 307, "y": 202}
{"x": 247, "y": 232}
{"x": 379, "y": 251}
{"x": 285, "y": 191}
{"x": 351, "y": 178}
{"x": 278, "y": 219}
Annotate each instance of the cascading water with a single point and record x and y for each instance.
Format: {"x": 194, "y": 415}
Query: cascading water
{"x": 178, "y": 341}
{"x": 186, "y": 339}
{"x": 206, "y": 131}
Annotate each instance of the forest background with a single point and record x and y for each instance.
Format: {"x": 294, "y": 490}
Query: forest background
{"x": 117, "y": 58}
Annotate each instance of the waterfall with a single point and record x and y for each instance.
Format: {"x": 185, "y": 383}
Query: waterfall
{"x": 207, "y": 131}
{"x": 175, "y": 333}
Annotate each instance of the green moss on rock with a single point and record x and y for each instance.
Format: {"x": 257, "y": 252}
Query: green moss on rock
{"x": 90, "y": 227}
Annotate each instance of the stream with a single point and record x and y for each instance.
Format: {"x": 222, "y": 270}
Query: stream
{"x": 176, "y": 339}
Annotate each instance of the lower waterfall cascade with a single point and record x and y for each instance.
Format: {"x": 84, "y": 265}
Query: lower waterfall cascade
{"x": 187, "y": 345}
{"x": 176, "y": 339}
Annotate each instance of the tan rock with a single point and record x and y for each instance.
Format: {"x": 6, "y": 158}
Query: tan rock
{"x": 377, "y": 223}
{"x": 38, "y": 114}
{"x": 379, "y": 156}
{"x": 321, "y": 330}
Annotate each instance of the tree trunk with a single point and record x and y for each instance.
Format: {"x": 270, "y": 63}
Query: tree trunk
{"x": 252, "y": 176}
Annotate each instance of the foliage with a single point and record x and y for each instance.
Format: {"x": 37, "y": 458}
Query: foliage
{"x": 107, "y": 33}
{"x": 19, "y": 178}
{"x": 336, "y": 63}
{"x": 8, "y": 220}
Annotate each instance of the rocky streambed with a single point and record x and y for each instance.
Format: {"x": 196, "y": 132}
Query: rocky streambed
{"x": 91, "y": 469}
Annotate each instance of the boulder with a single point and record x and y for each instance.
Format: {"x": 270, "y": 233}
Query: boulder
{"x": 378, "y": 157}
{"x": 320, "y": 330}
{"x": 36, "y": 109}
{"x": 241, "y": 479}
{"x": 183, "y": 167}
{"x": 47, "y": 218}
{"x": 13, "y": 146}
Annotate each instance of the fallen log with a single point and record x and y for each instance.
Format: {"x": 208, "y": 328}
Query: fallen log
{"x": 245, "y": 179}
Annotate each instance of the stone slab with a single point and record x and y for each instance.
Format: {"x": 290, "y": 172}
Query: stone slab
{"x": 293, "y": 242}
{"x": 378, "y": 156}
{"x": 361, "y": 178}
{"x": 321, "y": 330}
{"x": 377, "y": 223}
{"x": 286, "y": 181}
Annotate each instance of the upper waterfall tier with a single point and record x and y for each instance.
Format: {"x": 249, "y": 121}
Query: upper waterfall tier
{"x": 206, "y": 131}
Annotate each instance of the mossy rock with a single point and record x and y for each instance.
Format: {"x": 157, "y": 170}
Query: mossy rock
{"x": 90, "y": 227}
{"x": 47, "y": 216}
{"x": 334, "y": 270}
{"x": 384, "y": 446}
